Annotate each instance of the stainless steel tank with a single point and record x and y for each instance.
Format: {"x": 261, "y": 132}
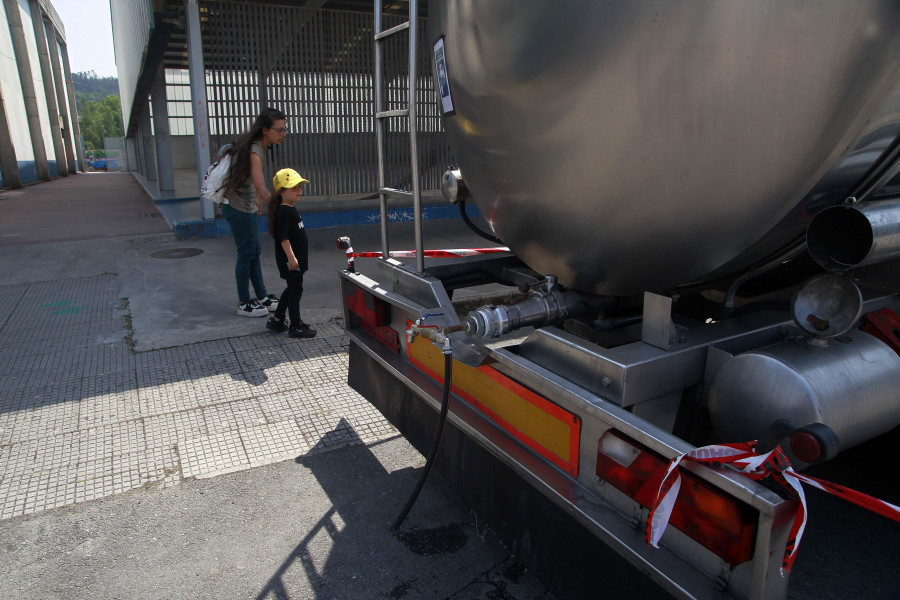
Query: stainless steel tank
{"x": 849, "y": 384}
{"x": 631, "y": 146}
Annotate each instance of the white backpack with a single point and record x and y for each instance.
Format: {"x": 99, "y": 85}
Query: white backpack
{"x": 216, "y": 180}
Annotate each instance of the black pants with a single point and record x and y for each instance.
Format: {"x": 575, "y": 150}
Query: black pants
{"x": 290, "y": 298}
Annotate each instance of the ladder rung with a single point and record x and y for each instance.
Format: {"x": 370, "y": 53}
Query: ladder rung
{"x": 392, "y": 31}
{"x": 395, "y": 193}
{"x": 392, "y": 113}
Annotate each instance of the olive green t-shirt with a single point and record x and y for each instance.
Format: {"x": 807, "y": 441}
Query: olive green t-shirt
{"x": 244, "y": 197}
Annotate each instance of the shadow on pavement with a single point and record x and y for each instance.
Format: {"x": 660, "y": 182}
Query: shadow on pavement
{"x": 420, "y": 561}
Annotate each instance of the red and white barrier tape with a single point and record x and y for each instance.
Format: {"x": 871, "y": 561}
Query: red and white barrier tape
{"x": 429, "y": 253}
{"x": 773, "y": 464}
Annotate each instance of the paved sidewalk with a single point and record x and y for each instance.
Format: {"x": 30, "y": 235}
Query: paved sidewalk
{"x": 123, "y": 368}
{"x": 129, "y": 386}
{"x": 79, "y": 207}
{"x": 82, "y": 416}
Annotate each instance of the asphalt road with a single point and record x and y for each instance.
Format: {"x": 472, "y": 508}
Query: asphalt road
{"x": 314, "y": 528}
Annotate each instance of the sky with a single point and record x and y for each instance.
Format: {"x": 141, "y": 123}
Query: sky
{"x": 88, "y": 35}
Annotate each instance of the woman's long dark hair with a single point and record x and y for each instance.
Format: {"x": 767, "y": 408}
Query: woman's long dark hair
{"x": 274, "y": 203}
{"x": 240, "y": 151}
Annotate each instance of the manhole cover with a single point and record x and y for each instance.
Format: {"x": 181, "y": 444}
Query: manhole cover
{"x": 177, "y": 253}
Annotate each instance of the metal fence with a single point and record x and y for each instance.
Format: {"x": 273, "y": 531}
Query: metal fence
{"x": 317, "y": 66}
{"x": 112, "y": 157}
{"x": 116, "y": 157}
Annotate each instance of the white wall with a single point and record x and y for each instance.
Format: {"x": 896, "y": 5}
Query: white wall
{"x": 67, "y": 125}
{"x": 183, "y": 156}
{"x": 12, "y": 96}
{"x": 131, "y": 24}
{"x": 35, "y": 60}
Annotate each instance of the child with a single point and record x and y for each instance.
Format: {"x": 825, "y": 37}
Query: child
{"x": 291, "y": 250}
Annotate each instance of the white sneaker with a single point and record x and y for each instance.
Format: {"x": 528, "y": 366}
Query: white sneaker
{"x": 270, "y": 302}
{"x": 251, "y": 308}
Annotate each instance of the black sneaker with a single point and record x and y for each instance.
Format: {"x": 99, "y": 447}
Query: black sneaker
{"x": 301, "y": 331}
{"x": 270, "y": 302}
{"x": 251, "y": 308}
{"x": 275, "y": 326}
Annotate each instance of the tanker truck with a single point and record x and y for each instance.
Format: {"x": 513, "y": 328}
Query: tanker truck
{"x": 695, "y": 212}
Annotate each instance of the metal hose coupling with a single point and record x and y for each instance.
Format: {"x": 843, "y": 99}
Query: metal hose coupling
{"x": 547, "y": 304}
{"x": 440, "y": 336}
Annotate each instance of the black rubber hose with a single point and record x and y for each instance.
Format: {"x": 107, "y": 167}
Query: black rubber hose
{"x": 474, "y": 227}
{"x": 445, "y": 404}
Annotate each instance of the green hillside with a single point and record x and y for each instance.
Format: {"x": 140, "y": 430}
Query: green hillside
{"x": 93, "y": 88}
{"x": 99, "y": 108}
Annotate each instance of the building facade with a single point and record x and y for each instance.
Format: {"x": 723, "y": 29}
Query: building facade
{"x": 193, "y": 74}
{"x": 39, "y": 137}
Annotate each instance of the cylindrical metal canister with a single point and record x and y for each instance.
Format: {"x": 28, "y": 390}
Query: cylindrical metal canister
{"x": 850, "y": 385}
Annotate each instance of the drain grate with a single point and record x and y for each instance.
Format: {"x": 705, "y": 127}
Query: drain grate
{"x": 177, "y": 253}
{"x": 148, "y": 215}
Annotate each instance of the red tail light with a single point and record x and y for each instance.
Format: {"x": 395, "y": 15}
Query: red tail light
{"x": 709, "y": 516}
{"x": 371, "y": 313}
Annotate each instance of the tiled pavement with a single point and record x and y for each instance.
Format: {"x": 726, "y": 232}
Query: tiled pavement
{"x": 83, "y": 416}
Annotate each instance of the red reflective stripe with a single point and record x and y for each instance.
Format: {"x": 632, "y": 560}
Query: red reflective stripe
{"x": 453, "y": 252}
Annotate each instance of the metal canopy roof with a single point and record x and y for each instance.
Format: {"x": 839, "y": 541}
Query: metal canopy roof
{"x": 171, "y": 12}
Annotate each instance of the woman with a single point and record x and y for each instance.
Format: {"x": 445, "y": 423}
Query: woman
{"x": 246, "y": 188}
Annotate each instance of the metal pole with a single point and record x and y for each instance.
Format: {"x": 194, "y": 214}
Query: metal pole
{"x": 379, "y": 131}
{"x": 413, "y": 146}
{"x": 197, "y": 72}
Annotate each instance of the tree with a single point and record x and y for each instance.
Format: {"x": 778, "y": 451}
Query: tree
{"x": 91, "y": 87}
{"x": 98, "y": 106}
{"x": 101, "y": 119}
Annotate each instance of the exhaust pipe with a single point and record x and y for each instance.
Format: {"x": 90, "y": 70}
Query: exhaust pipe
{"x": 847, "y": 236}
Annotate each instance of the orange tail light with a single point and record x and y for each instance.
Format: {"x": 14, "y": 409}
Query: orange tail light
{"x": 722, "y": 524}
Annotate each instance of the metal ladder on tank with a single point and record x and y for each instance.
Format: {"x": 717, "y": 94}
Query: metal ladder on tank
{"x": 381, "y": 117}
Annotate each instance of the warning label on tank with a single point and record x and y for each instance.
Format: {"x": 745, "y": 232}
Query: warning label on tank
{"x": 440, "y": 65}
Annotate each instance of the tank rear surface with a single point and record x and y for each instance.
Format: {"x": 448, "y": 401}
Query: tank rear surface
{"x": 631, "y": 146}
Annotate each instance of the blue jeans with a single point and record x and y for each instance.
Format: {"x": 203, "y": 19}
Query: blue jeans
{"x": 245, "y": 229}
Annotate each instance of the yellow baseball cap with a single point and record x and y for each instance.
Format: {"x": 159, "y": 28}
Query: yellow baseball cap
{"x": 287, "y": 178}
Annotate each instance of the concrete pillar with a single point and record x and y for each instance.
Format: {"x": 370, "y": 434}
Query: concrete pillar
{"x": 73, "y": 110}
{"x": 8, "y": 161}
{"x": 161, "y": 129}
{"x": 59, "y": 81}
{"x": 147, "y": 139}
{"x": 139, "y": 148}
{"x": 40, "y": 37}
{"x": 26, "y": 78}
{"x": 197, "y": 72}
{"x": 130, "y": 155}
{"x": 142, "y": 156}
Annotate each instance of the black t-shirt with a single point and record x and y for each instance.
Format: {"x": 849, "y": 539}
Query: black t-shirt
{"x": 289, "y": 226}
